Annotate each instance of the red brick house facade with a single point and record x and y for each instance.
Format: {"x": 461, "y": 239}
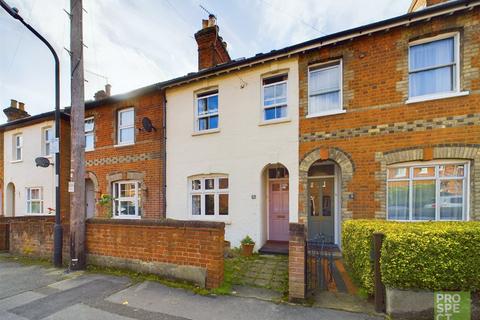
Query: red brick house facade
{"x": 120, "y": 154}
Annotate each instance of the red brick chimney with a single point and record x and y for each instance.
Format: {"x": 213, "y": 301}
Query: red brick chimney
{"x": 422, "y": 4}
{"x": 15, "y": 111}
{"x": 212, "y": 50}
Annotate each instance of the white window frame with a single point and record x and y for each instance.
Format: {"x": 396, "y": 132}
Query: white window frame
{"x": 264, "y": 107}
{"x": 216, "y": 192}
{"x": 90, "y": 133}
{"x": 410, "y": 166}
{"x": 29, "y": 200}
{"x": 47, "y": 144}
{"x": 456, "y": 65}
{"x": 121, "y": 127}
{"x": 207, "y": 115}
{"x": 324, "y": 66}
{"x": 135, "y": 199}
{"x": 17, "y": 145}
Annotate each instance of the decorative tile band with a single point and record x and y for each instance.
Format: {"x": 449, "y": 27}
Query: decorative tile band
{"x": 122, "y": 159}
{"x": 411, "y": 126}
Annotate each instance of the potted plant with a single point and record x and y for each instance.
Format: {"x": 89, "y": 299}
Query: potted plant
{"x": 247, "y": 246}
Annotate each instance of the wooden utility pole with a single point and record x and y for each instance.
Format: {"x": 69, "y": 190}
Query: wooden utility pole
{"x": 77, "y": 123}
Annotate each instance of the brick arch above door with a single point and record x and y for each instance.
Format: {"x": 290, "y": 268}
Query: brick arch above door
{"x": 426, "y": 153}
{"x": 347, "y": 168}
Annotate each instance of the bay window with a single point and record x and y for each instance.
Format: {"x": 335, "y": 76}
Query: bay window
{"x": 434, "y": 66}
{"x": 206, "y": 112}
{"x": 209, "y": 196}
{"x": 126, "y": 199}
{"x": 424, "y": 192}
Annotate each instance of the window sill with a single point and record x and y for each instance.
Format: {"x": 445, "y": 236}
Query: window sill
{"x": 437, "y": 96}
{"x": 16, "y": 161}
{"x": 90, "y": 150}
{"x": 201, "y": 133}
{"x": 274, "y": 121}
{"x": 122, "y": 145}
{"x": 328, "y": 113}
{"x": 127, "y": 217}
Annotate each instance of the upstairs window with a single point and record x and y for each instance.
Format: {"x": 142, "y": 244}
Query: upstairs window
{"x": 34, "y": 200}
{"x": 126, "y": 126}
{"x": 207, "y": 111}
{"x": 17, "y": 147}
{"x": 209, "y": 196}
{"x": 126, "y": 199}
{"x": 47, "y": 141}
{"x": 424, "y": 192}
{"x": 433, "y": 66}
{"x": 325, "y": 89}
{"x": 89, "y": 134}
{"x": 275, "y": 98}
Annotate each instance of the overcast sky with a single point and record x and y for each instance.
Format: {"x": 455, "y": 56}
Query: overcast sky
{"x": 135, "y": 43}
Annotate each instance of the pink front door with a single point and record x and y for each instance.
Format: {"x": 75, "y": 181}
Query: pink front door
{"x": 278, "y": 210}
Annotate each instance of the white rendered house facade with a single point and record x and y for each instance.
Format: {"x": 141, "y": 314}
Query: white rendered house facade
{"x": 232, "y": 151}
{"x": 28, "y": 190}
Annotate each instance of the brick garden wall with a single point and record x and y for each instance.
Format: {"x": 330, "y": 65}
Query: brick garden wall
{"x": 142, "y": 161}
{"x": 161, "y": 243}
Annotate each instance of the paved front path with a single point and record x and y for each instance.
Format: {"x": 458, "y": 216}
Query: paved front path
{"x": 34, "y": 292}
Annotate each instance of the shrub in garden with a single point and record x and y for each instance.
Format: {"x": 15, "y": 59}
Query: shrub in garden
{"x": 423, "y": 255}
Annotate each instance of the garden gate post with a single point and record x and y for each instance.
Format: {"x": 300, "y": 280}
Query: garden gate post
{"x": 378, "y": 284}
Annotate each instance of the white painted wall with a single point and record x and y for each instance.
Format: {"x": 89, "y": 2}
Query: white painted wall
{"x": 24, "y": 173}
{"x": 242, "y": 147}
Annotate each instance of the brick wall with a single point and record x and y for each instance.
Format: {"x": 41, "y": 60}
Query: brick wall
{"x": 4, "y": 240}
{"x": 142, "y": 161}
{"x": 296, "y": 262}
{"x": 181, "y": 243}
{"x": 377, "y": 119}
{"x": 33, "y": 236}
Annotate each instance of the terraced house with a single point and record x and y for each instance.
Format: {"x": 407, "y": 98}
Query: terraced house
{"x": 379, "y": 122}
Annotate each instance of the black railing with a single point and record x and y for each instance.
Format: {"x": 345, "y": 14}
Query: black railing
{"x": 320, "y": 262}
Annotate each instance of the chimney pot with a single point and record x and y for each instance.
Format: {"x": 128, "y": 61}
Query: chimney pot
{"x": 212, "y": 20}
{"x": 13, "y": 103}
{"x": 108, "y": 90}
{"x": 21, "y": 106}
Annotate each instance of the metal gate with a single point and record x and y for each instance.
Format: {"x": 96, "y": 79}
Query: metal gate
{"x": 319, "y": 263}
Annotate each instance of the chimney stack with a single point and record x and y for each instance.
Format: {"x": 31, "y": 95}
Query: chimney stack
{"x": 417, "y": 5}
{"x": 15, "y": 111}
{"x": 102, "y": 94}
{"x": 212, "y": 50}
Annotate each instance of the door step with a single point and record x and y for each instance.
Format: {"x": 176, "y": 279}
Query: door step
{"x": 274, "y": 247}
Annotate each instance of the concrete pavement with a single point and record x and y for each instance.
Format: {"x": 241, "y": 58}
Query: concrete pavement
{"x": 35, "y": 292}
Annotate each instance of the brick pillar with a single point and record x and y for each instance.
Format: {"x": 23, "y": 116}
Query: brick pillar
{"x": 296, "y": 263}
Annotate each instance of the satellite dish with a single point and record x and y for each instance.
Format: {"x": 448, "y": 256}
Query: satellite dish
{"x": 42, "y": 162}
{"x": 147, "y": 125}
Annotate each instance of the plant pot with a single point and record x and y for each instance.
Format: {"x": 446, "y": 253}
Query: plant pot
{"x": 247, "y": 249}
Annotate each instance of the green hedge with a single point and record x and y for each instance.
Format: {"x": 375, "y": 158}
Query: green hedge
{"x": 423, "y": 255}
